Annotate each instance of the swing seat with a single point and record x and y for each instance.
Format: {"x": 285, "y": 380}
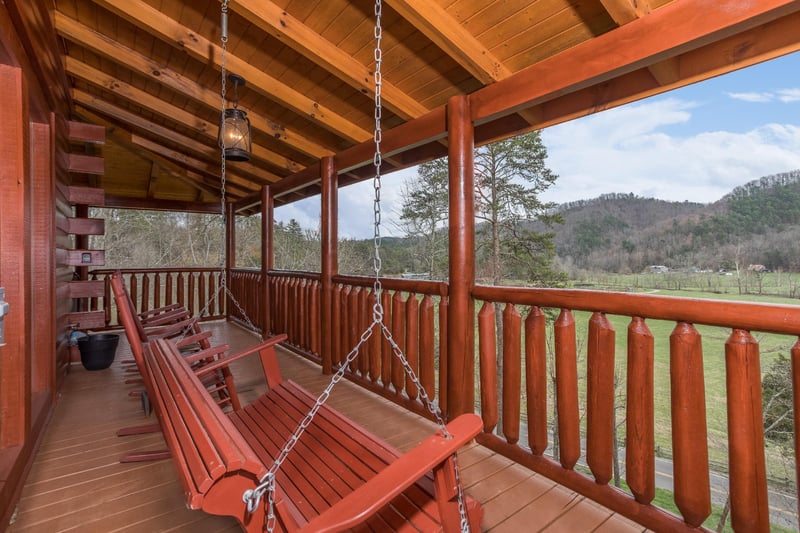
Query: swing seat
{"x": 338, "y": 476}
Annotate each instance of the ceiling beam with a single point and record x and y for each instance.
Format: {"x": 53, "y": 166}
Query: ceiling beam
{"x": 154, "y": 22}
{"x": 152, "y": 70}
{"x": 625, "y": 11}
{"x": 452, "y": 38}
{"x": 126, "y": 117}
{"x": 170, "y": 112}
{"x": 692, "y": 24}
{"x": 305, "y": 41}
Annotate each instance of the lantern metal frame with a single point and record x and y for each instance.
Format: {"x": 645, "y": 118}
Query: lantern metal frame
{"x": 235, "y": 134}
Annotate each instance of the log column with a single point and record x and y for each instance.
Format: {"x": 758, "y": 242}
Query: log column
{"x": 461, "y": 313}
{"x": 330, "y": 259}
{"x": 267, "y": 256}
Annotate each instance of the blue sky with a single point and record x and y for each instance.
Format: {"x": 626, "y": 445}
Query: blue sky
{"x": 695, "y": 143}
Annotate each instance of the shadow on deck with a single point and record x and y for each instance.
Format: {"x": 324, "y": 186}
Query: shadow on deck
{"x": 77, "y": 484}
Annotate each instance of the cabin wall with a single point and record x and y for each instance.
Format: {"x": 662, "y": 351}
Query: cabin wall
{"x": 33, "y": 102}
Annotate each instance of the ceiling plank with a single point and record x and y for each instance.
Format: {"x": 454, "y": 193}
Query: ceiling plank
{"x": 249, "y": 172}
{"x": 625, "y": 11}
{"x": 290, "y": 31}
{"x": 168, "y": 111}
{"x": 157, "y": 24}
{"x": 126, "y": 202}
{"x": 692, "y": 23}
{"x": 107, "y": 47}
{"x": 452, "y": 38}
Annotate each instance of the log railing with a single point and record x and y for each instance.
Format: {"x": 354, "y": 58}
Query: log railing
{"x": 295, "y": 305}
{"x": 521, "y": 430}
{"x": 194, "y": 288}
{"x": 247, "y": 305}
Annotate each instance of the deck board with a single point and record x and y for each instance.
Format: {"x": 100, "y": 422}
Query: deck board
{"x": 77, "y": 483}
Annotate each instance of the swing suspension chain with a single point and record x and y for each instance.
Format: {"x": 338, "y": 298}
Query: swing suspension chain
{"x": 252, "y": 497}
{"x": 223, "y": 278}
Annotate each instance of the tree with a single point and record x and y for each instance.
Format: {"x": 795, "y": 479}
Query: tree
{"x": 509, "y": 177}
{"x": 424, "y": 214}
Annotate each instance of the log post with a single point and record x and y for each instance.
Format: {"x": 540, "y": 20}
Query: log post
{"x": 461, "y": 315}
{"x": 330, "y": 259}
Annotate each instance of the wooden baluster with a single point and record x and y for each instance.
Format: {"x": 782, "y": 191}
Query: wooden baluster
{"x": 309, "y": 320}
{"x": 412, "y": 342}
{"x": 168, "y": 296}
{"x": 157, "y": 291}
{"x": 364, "y": 355}
{"x": 201, "y": 291}
{"x": 192, "y": 294}
{"x": 795, "y": 355}
{"x": 345, "y": 318}
{"x": 748, "y": 473}
{"x": 443, "y": 310}
{"x": 600, "y": 417}
{"x": 427, "y": 368}
{"x": 107, "y": 300}
{"x": 302, "y": 313}
{"x": 145, "y": 292}
{"x": 512, "y": 372}
{"x": 569, "y": 437}
{"x": 213, "y": 309}
{"x": 640, "y": 471}
{"x": 314, "y": 319}
{"x": 398, "y": 334}
{"x": 536, "y": 380}
{"x": 336, "y": 326}
{"x": 386, "y": 348}
{"x": 354, "y": 311}
{"x": 181, "y": 291}
{"x": 374, "y": 344}
{"x": 134, "y": 285}
{"x": 487, "y": 350}
{"x": 689, "y": 434}
{"x": 93, "y": 303}
{"x": 291, "y": 310}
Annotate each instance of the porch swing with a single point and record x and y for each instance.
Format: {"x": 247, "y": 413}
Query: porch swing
{"x": 288, "y": 461}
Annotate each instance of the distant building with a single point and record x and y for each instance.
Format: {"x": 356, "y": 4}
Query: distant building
{"x": 657, "y": 269}
{"x": 757, "y": 268}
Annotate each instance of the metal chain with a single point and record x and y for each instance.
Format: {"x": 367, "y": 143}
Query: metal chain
{"x": 252, "y": 498}
{"x": 223, "y": 278}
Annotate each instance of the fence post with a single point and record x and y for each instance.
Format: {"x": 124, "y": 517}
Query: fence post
{"x": 330, "y": 259}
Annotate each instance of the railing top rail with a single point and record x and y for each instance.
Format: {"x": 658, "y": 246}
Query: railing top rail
{"x": 109, "y": 271}
{"x": 751, "y": 316}
{"x": 439, "y": 288}
{"x": 295, "y": 274}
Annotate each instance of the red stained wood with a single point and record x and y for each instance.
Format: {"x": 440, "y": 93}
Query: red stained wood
{"x": 512, "y": 372}
{"x": 83, "y": 226}
{"x": 600, "y": 398}
{"x": 144, "y": 306}
{"x": 748, "y": 475}
{"x": 444, "y": 305}
{"x": 93, "y": 196}
{"x": 85, "y": 133}
{"x": 83, "y": 258}
{"x": 374, "y": 348}
{"x": 640, "y": 456}
{"x": 427, "y": 363}
{"x": 336, "y": 325}
{"x": 330, "y": 259}
{"x": 412, "y": 342}
{"x": 536, "y": 380}
{"x": 689, "y": 434}
{"x": 398, "y": 334}
{"x": 487, "y": 347}
{"x": 86, "y": 164}
{"x": 267, "y": 262}
{"x": 795, "y": 355}
{"x": 567, "y": 390}
{"x": 461, "y": 223}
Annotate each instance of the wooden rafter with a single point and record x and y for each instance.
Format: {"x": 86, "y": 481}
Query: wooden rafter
{"x": 248, "y": 171}
{"x": 157, "y": 24}
{"x": 451, "y": 37}
{"x": 625, "y": 11}
{"x": 101, "y": 44}
{"x": 281, "y": 25}
{"x": 167, "y": 111}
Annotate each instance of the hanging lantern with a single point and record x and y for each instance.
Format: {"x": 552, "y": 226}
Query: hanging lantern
{"x": 234, "y": 128}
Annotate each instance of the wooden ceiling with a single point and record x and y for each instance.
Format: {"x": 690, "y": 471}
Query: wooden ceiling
{"x": 150, "y": 71}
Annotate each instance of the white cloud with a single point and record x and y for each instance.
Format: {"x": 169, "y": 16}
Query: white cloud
{"x": 753, "y": 97}
{"x": 626, "y": 151}
{"x": 789, "y": 95}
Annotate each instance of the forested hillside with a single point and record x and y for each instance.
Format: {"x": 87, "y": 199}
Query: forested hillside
{"x": 758, "y": 223}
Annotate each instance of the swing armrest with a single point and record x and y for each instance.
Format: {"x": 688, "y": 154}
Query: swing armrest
{"x": 191, "y": 339}
{"x": 266, "y": 349}
{"x": 395, "y": 478}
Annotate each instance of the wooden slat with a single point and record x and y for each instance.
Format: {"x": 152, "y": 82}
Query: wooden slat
{"x": 93, "y": 196}
{"x": 86, "y": 164}
{"x": 85, "y": 133}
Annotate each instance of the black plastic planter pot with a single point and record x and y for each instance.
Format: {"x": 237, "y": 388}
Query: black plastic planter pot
{"x": 98, "y": 351}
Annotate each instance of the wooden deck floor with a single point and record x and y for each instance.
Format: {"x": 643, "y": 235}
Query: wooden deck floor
{"x": 77, "y": 483}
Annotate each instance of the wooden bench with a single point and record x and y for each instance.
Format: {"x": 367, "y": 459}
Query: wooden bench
{"x": 338, "y": 476}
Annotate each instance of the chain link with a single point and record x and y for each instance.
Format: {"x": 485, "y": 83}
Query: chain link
{"x": 253, "y": 497}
